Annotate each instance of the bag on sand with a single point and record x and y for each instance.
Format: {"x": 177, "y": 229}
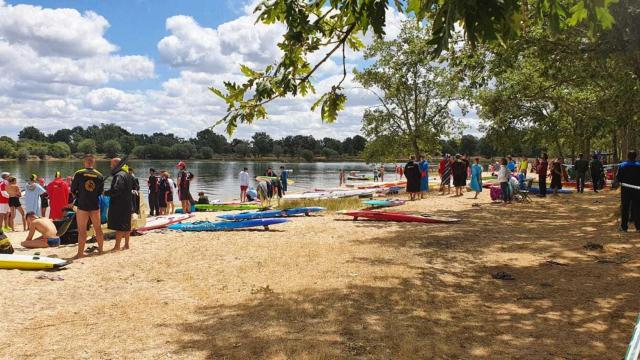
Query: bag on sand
{"x": 5, "y": 245}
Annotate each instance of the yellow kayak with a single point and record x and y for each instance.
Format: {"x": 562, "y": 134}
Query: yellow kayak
{"x": 30, "y": 262}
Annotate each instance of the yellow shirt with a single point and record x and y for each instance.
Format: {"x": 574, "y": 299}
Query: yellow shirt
{"x": 524, "y": 165}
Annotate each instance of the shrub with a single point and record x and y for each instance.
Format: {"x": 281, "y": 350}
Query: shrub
{"x": 22, "y": 154}
{"x": 87, "y": 146}
{"x": 111, "y": 148}
{"x": 59, "y": 150}
{"x": 206, "y": 152}
{"x": 307, "y": 155}
{"x": 6, "y": 149}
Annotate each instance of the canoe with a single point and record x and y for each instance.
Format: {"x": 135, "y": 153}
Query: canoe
{"x": 271, "y": 213}
{"x": 383, "y": 203}
{"x": 227, "y": 207}
{"x": 399, "y": 216}
{"x": 30, "y": 262}
{"x": 162, "y": 221}
{"x": 226, "y": 225}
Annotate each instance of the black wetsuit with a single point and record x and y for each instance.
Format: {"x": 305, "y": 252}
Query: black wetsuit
{"x": 629, "y": 178}
{"x": 87, "y": 186}
{"x": 119, "y": 217}
{"x": 154, "y": 203}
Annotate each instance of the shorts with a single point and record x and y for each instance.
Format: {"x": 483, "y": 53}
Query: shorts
{"x": 44, "y": 203}
{"x": 170, "y": 197}
{"x": 162, "y": 201}
{"x": 14, "y": 202}
{"x": 4, "y": 208}
{"x": 183, "y": 195}
{"x": 53, "y": 242}
{"x": 244, "y": 187}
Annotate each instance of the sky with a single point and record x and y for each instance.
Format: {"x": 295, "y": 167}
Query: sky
{"x": 146, "y": 65}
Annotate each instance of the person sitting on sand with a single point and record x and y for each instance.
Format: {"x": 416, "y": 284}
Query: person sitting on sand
{"x": 202, "y": 198}
{"x": 44, "y": 226}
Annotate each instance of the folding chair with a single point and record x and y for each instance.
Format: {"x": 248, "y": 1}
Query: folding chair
{"x": 525, "y": 192}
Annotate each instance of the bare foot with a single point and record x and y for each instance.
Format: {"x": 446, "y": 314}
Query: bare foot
{"x": 126, "y": 247}
{"x": 115, "y": 249}
{"x": 78, "y": 256}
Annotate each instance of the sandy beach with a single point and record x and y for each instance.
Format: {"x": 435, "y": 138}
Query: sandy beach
{"x": 327, "y": 287}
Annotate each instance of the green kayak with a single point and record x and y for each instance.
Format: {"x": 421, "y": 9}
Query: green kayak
{"x": 226, "y": 207}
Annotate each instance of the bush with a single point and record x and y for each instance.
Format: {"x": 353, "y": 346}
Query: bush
{"x": 87, "y": 146}
{"x": 329, "y": 153}
{"x": 59, "y": 150}
{"x": 307, "y": 155}
{"x": 183, "y": 151}
{"x": 22, "y": 154}
{"x": 6, "y": 149}
{"x": 40, "y": 151}
{"x": 140, "y": 152}
{"x": 206, "y": 152}
{"x": 111, "y": 148}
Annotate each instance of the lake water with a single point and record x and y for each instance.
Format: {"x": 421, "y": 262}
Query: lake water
{"x": 219, "y": 180}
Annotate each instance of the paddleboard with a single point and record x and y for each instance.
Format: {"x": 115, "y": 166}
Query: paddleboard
{"x": 399, "y": 216}
{"x": 269, "y": 178}
{"x": 226, "y": 207}
{"x": 226, "y": 225}
{"x": 271, "y": 213}
{"x": 162, "y": 221}
{"x": 383, "y": 203}
{"x": 535, "y": 190}
{"x": 30, "y": 262}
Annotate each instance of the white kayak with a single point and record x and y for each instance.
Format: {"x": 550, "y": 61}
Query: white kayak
{"x": 162, "y": 221}
{"x": 331, "y": 194}
{"x": 30, "y": 262}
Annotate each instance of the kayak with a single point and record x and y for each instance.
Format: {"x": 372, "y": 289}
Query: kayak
{"x": 331, "y": 194}
{"x": 162, "y": 221}
{"x": 271, "y": 213}
{"x": 270, "y": 178}
{"x": 226, "y": 207}
{"x": 399, "y": 216}
{"x": 535, "y": 190}
{"x": 351, "y": 178}
{"x": 383, "y": 203}
{"x": 225, "y": 225}
{"x": 30, "y": 262}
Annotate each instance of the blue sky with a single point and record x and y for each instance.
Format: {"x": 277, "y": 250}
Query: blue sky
{"x": 147, "y": 65}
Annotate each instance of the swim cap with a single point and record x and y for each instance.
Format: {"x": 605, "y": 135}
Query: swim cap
{"x": 34, "y": 177}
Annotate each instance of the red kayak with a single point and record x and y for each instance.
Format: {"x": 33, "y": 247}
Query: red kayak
{"x": 399, "y": 216}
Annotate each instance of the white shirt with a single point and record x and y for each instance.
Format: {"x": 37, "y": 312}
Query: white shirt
{"x": 503, "y": 174}
{"x": 244, "y": 178}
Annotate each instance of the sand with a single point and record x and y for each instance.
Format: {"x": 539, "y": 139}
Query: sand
{"x": 325, "y": 287}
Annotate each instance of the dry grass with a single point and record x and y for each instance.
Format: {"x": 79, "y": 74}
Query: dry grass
{"x": 323, "y": 287}
{"x": 331, "y": 205}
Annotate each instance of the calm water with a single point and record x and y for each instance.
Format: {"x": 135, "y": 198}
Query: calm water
{"x": 219, "y": 180}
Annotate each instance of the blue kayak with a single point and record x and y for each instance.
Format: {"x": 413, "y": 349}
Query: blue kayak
{"x": 383, "y": 203}
{"x": 535, "y": 190}
{"x": 225, "y": 225}
{"x": 248, "y": 215}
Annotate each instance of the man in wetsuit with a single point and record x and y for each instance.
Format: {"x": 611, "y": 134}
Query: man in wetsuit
{"x": 119, "y": 217}
{"x": 87, "y": 186}
{"x": 629, "y": 178}
{"x": 184, "y": 182}
{"x": 581, "y": 167}
{"x": 154, "y": 187}
{"x": 596, "y": 172}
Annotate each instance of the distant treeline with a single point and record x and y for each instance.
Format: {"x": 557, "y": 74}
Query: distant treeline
{"x": 112, "y": 140}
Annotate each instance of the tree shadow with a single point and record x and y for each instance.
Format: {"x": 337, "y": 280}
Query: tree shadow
{"x": 448, "y": 306}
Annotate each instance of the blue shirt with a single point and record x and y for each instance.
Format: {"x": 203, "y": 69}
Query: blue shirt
{"x": 511, "y": 166}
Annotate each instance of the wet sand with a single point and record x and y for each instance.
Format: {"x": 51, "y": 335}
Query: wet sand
{"x": 327, "y": 287}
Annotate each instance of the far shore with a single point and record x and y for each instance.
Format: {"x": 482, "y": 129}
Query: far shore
{"x": 214, "y": 159}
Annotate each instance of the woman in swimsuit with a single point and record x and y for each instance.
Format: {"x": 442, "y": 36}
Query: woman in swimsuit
{"x": 14, "y": 203}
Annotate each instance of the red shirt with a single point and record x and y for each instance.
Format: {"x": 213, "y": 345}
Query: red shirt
{"x": 3, "y": 187}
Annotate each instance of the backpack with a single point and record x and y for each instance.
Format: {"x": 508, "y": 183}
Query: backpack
{"x": 5, "y": 245}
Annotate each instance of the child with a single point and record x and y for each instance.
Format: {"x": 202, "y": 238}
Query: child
{"x": 14, "y": 203}
{"x": 202, "y": 199}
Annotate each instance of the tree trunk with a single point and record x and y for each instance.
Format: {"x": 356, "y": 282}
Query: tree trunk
{"x": 614, "y": 143}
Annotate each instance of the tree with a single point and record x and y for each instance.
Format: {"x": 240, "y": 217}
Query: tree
{"x": 183, "y": 151}
{"x": 329, "y": 27}
{"x": 333, "y": 144}
{"x": 59, "y": 150}
{"x": 205, "y": 152}
{"x": 31, "y": 133}
{"x": 22, "y": 154}
{"x": 359, "y": 143}
{"x": 468, "y": 145}
{"x": 127, "y": 143}
{"x": 262, "y": 143}
{"x": 213, "y": 140}
{"x": 111, "y": 148}
{"x": 415, "y": 93}
{"x": 140, "y": 152}
{"x": 277, "y": 150}
{"x": 242, "y": 148}
{"x": 87, "y": 146}
{"x": 7, "y": 139}
{"x": 62, "y": 135}
{"x": 329, "y": 153}
{"x": 307, "y": 155}
{"x": 7, "y": 149}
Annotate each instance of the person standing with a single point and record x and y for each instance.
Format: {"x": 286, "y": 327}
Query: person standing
{"x": 87, "y": 186}
{"x": 119, "y": 217}
{"x": 423, "y": 166}
{"x": 32, "y": 195}
{"x": 476, "y": 177}
{"x": 4, "y": 203}
{"x": 445, "y": 174}
{"x": 184, "y": 183}
{"x": 284, "y": 179}
{"x": 556, "y": 176}
{"x": 511, "y": 164}
{"x": 503, "y": 179}
{"x": 629, "y": 178}
{"x": 14, "y": 203}
{"x": 542, "y": 170}
{"x": 58, "y": 191}
{"x": 581, "y": 166}
{"x": 375, "y": 173}
{"x": 171, "y": 207}
{"x": 342, "y": 177}
{"x": 243, "y": 177}
{"x": 596, "y": 172}
{"x": 135, "y": 200}
{"x": 163, "y": 192}
{"x": 153, "y": 184}
{"x": 459, "y": 171}
{"x": 412, "y": 173}
{"x": 44, "y": 199}
{"x": 381, "y": 172}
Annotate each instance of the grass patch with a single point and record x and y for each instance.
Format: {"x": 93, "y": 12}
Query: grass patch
{"x": 349, "y": 203}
